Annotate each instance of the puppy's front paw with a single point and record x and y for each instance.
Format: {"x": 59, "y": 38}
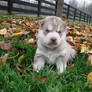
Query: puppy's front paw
{"x": 60, "y": 66}
{"x": 37, "y": 67}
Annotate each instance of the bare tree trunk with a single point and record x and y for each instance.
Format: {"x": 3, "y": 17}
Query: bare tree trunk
{"x": 59, "y": 8}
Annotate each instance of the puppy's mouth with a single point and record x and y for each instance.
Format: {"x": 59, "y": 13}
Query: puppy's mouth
{"x": 52, "y": 43}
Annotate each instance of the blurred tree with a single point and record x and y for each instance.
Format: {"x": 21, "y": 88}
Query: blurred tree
{"x": 59, "y": 8}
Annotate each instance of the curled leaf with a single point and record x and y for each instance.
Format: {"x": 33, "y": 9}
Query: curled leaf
{"x": 20, "y": 58}
{"x": 70, "y": 66}
{"x": 20, "y": 68}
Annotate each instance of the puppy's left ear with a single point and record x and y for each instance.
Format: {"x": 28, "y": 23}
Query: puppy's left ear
{"x": 41, "y": 22}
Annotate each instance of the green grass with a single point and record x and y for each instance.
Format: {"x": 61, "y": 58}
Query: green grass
{"x": 11, "y": 80}
{"x": 72, "y": 80}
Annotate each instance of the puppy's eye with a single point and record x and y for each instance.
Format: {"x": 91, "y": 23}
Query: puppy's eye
{"x": 59, "y": 32}
{"x": 47, "y": 31}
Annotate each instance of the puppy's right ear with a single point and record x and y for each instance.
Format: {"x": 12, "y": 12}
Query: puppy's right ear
{"x": 41, "y": 23}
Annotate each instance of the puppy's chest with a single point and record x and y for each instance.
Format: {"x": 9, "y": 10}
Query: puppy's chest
{"x": 51, "y": 56}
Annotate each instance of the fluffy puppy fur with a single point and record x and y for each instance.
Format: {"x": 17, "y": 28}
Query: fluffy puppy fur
{"x": 52, "y": 45}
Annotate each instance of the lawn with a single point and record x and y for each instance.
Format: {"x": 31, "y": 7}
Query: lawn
{"x": 17, "y": 49}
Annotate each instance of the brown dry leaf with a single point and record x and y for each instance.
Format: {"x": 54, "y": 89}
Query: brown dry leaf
{"x": 41, "y": 79}
{"x": 70, "y": 66}
{"x": 89, "y": 52}
{"x": 5, "y": 46}
{"x": 17, "y": 34}
{"x": 9, "y": 20}
{"x": 89, "y": 78}
{"x": 89, "y": 61}
{"x": 3, "y": 31}
{"x": 70, "y": 40}
{"x": 4, "y": 58}
{"x": 20, "y": 58}
{"x": 34, "y": 30}
{"x": 20, "y": 68}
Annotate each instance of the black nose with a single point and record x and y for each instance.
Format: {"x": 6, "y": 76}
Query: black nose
{"x": 53, "y": 39}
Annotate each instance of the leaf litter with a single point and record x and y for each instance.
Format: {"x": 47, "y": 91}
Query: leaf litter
{"x": 79, "y": 36}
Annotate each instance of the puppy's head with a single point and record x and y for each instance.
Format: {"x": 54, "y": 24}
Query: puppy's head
{"x": 51, "y": 31}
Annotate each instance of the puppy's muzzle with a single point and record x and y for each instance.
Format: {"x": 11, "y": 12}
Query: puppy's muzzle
{"x": 53, "y": 41}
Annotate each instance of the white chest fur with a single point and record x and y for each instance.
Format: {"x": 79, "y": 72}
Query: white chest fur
{"x": 50, "y": 56}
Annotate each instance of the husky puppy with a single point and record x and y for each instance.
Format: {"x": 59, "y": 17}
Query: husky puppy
{"x": 52, "y": 45}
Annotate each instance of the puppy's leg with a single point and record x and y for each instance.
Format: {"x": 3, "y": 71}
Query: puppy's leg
{"x": 64, "y": 65}
{"x": 59, "y": 65}
{"x": 38, "y": 63}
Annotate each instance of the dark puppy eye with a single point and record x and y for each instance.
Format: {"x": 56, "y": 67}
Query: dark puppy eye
{"x": 59, "y": 32}
{"x": 47, "y": 31}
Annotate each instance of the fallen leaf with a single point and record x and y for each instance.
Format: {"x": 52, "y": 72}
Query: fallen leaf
{"x": 34, "y": 30}
{"x": 31, "y": 40}
{"x": 89, "y": 78}
{"x": 70, "y": 40}
{"x": 4, "y": 58}
{"x": 89, "y": 60}
{"x": 9, "y": 20}
{"x": 84, "y": 49}
{"x": 5, "y": 46}
{"x": 17, "y": 34}
{"x": 20, "y": 68}
{"x": 70, "y": 66}
{"x": 3, "y": 31}
{"x": 89, "y": 52}
{"x": 41, "y": 79}
{"x": 20, "y": 58}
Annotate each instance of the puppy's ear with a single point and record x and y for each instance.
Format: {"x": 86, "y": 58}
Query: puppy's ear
{"x": 41, "y": 22}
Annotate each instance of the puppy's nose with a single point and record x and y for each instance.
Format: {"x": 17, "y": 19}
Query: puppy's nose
{"x": 53, "y": 39}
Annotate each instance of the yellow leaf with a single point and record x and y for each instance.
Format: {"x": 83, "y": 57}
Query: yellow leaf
{"x": 17, "y": 34}
{"x": 21, "y": 58}
{"x": 31, "y": 40}
{"x": 89, "y": 78}
{"x": 84, "y": 49}
{"x": 4, "y": 58}
{"x": 89, "y": 61}
{"x": 3, "y": 31}
{"x": 84, "y": 34}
